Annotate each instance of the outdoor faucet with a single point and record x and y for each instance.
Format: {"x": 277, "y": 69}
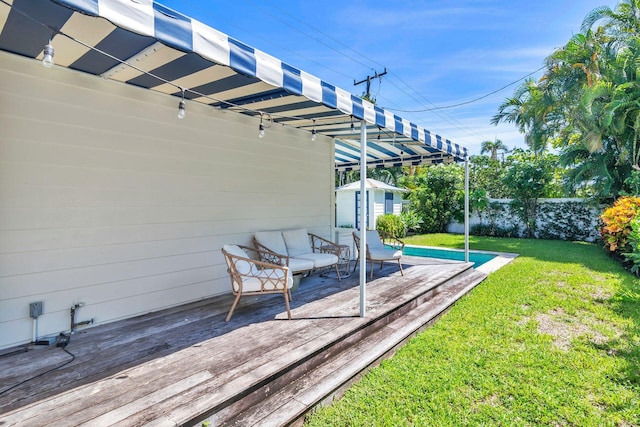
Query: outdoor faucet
{"x": 74, "y": 324}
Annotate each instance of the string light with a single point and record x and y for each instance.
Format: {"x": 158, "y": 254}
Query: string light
{"x": 314, "y": 132}
{"x": 47, "y": 59}
{"x": 181, "y": 107}
{"x": 261, "y": 128}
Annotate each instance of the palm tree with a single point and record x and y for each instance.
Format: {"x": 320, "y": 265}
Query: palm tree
{"x": 587, "y": 104}
{"x": 493, "y": 147}
{"x": 530, "y": 110}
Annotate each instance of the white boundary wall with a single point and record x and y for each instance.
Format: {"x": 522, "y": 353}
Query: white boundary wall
{"x": 106, "y": 198}
{"x": 566, "y": 218}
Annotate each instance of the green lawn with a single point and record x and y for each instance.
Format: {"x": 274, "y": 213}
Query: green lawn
{"x": 552, "y": 339}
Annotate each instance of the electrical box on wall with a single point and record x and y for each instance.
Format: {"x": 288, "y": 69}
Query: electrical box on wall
{"x": 35, "y": 309}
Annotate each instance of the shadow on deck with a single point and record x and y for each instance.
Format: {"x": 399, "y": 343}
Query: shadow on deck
{"x": 186, "y": 364}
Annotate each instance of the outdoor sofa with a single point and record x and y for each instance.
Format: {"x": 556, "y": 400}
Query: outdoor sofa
{"x": 302, "y": 252}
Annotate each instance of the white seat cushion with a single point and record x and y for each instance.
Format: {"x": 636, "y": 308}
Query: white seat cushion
{"x": 272, "y": 240}
{"x": 254, "y": 283}
{"x": 297, "y": 241}
{"x": 298, "y": 265}
{"x": 384, "y": 254}
{"x": 243, "y": 267}
{"x": 319, "y": 259}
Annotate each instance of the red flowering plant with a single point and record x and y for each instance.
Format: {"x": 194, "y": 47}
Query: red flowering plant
{"x": 617, "y": 223}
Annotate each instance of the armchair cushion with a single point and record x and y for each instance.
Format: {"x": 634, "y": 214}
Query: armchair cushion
{"x": 374, "y": 241}
{"x": 382, "y": 254}
{"x": 297, "y": 242}
{"x": 243, "y": 267}
{"x": 266, "y": 279}
{"x": 272, "y": 240}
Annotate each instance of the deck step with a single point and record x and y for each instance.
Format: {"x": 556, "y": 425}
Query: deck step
{"x": 293, "y": 393}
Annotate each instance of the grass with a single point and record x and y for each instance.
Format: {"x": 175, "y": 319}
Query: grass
{"x": 551, "y": 339}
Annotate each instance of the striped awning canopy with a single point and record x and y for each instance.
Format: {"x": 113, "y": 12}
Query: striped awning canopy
{"x": 146, "y": 44}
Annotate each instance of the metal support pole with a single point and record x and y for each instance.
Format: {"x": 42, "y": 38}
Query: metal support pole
{"x": 363, "y": 218}
{"x": 466, "y": 209}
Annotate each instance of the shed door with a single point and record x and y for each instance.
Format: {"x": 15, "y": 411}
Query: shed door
{"x": 357, "y": 221}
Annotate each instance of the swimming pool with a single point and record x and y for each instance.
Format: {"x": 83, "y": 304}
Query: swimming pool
{"x": 478, "y": 258}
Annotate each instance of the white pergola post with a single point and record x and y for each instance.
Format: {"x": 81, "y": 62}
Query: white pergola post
{"x": 466, "y": 209}
{"x": 363, "y": 218}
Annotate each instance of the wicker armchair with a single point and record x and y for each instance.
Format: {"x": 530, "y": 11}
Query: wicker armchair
{"x": 253, "y": 277}
{"x": 379, "y": 251}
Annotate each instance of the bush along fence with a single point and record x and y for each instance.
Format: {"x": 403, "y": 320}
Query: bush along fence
{"x": 621, "y": 232}
{"x": 559, "y": 219}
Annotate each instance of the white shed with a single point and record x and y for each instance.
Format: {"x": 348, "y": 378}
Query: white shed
{"x": 381, "y": 199}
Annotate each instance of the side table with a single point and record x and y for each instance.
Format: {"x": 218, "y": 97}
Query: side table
{"x": 343, "y": 252}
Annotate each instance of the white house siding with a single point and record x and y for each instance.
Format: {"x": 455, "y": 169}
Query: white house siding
{"x": 106, "y": 198}
{"x": 378, "y": 206}
{"x": 397, "y": 203}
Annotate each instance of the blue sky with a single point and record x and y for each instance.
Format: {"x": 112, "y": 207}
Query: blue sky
{"x": 437, "y": 53}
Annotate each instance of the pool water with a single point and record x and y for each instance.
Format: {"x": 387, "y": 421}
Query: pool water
{"x": 478, "y": 258}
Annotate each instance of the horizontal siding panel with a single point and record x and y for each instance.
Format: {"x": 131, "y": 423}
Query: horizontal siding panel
{"x": 12, "y": 241}
{"x": 30, "y": 262}
{"x": 68, "y": 279}
{"x": 117, "y": 292}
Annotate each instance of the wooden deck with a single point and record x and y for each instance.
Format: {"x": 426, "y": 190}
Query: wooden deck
{"x": 186, "y": 364}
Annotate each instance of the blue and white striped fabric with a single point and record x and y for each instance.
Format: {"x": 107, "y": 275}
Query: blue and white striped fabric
{"x": 181, "y": 37}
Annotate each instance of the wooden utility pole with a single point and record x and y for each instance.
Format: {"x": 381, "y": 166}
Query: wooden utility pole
{"x": 368, "y": 82}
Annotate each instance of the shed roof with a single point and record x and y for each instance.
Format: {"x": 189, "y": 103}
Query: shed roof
{"x": 371, "y": 183}
{"x": 146, "y": 44}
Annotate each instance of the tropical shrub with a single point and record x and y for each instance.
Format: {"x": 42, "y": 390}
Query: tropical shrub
{"x": 493, "y": 230}
{"x": 617, "y": 224}
{"x": 411, "y": 220}
{"x": 390, "y": 225}
{"x": 530, "y": 177}
{"x": 435, "y": 193}
{"x": 633, "y": 257}
{"x": 633, "y": 184}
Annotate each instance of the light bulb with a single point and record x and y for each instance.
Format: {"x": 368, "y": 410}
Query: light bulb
{"x": 181, "y": 110}
{"x": 47, "y": 59}
{"x": 314, "y": 135}
{"x": 353, "y": 128}
{"x": 261, "y": 131}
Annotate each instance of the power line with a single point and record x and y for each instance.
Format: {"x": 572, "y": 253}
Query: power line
{"x": 451, "y": 120}
{"x": 475, "y": 99}
{"x": 206, "y": 12}
{"x": 454, "y": 122}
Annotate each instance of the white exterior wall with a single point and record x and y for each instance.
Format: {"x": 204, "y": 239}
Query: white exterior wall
{"x": 106, "y": 198}
{"x": 345, "y": 208}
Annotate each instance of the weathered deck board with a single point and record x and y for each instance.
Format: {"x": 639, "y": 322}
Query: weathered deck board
{"x": 306, "y": 390}
{"x": 167, "y": 367}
